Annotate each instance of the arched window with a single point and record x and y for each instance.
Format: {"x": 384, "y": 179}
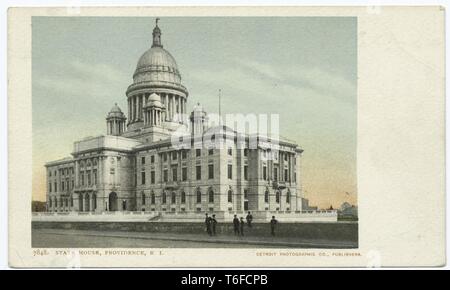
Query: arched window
{"x": 164, "y": 197}
{"x": 143, "y": 198}
{"x": 199, "y": 196}
{"x": 94, "y": 201}
{"x": 277, "y": 197}
{"x": 230, "y": 196}
{"x": 174, "y": 197}
{"x": 183, "y": 197}
{"x": 153, "y": 198}
{"x": 211, "y": 196}
{"x": 288, "y": 197}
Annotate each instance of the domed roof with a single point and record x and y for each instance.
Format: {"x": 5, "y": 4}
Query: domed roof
{"x": 154, "y": 101}
{"x": 154, "y": 97}
{"x": 157, "y": 69}
{"x": 198, "y": 112}
{"x": 115, "y": 109}
{"x": 115, "y": 112}
{"x": 158, "y": 58}
{"x": 157, "y": 64}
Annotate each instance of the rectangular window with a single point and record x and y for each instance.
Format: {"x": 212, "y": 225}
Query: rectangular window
{"x": 174, "y": 155}
{"x": 152, "y": 177}
{"x": 164, "y": 157}
{"x": 275, "y": 174}
{"x": 62, "y": 186}
{"x": 285, "y": 157}
{"x": 264, "y": 172}
{"x": 230, "y": 171}
{"x": 210, "y": 151}
{"x": 166, "y": 175}
{"x": 174, "y": 174}
{"x": 285, "y": 175}
{"x": 89, "y": 177}
{"x": 143, "y": 160}
{"x": 183, "y": 154}
{"x": 49, "y": 187}
{"x": 72, "y": 183}
{"x": 184, "y": 173}
{"x": 198, "y": 172}
{"x": 152, "y": 159}
{"x": 245, "y": 152}
{"x": 95, "y": 176}
{"x": 198, "y": 152}
{"x": 211, "y": 171}
{"x": 56, "y": 186}
{"x": 143, "y": 177}
{"x": 82, "y": 180}
{"x": 245, "y": 172}
{"x": 230, "y": 151}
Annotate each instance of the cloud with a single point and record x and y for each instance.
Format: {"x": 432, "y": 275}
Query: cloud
{"x": 81, "y": 78}
{"x": 260, "y": 78}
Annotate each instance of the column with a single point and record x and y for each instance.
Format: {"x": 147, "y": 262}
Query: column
{"x": 129, "y": 110}
{"x": 173, "y": 107}
{"x": 140, "y": 107}
{"x": 177, "y": 107}
{"x": 133, "y": 110}
{"x": 181, "y": 105}
{"x": 167, "y": 106}
{"x": 185, "y": 111}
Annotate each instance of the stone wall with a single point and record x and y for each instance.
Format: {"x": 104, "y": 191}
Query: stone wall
{"x": 340, "y": 231}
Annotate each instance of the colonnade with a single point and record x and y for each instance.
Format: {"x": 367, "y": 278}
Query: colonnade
{"x": 175, "y": 104}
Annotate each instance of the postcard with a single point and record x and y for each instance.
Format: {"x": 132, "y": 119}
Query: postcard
{"x": 226, "y": 137}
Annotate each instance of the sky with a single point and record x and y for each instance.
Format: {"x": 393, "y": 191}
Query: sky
{"x": 302, "y": 68}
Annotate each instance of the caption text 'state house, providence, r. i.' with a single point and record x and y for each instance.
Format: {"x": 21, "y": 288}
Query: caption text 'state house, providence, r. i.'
{"x": 140, "y": 166}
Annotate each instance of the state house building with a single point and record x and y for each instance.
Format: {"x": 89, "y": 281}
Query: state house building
{"x": 136, "y": 166}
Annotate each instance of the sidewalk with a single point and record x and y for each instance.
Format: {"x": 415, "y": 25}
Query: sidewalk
{"x": 204, "y": 238}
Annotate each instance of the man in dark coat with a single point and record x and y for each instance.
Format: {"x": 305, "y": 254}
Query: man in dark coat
{"x": 273, "y": 223}
{"x": 249, "y": 219}
{"x": 242, "y": 226}
{"x": 236, "y": 225}
{"x": 213, "y": 224}
{"x": 208, "y": 224}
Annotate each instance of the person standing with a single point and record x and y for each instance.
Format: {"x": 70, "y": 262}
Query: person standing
{"x": 242, "y": 226}
{"x": 208, "y": 224}
{"x": 236, "y": 225}
{"x": 213, "y": 224}
{"x": 273, "y": 223}
{"x": 249, "y": 219}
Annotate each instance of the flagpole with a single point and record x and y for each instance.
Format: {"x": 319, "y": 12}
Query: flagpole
{"x": 220, "y": 113}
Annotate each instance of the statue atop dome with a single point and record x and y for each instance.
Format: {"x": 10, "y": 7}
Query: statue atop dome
{"x": 156, "y": 35}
